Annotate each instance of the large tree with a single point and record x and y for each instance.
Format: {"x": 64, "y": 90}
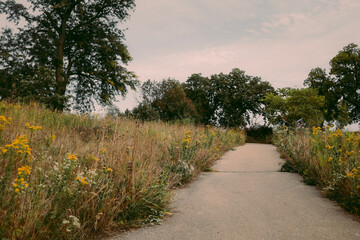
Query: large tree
{"x": 167, "y": 98}
{"x": 341, "y": 87}
{"x": 227, "y": 99}
{"x": 77, "y": 42}
{"x": 291, "y": 105}
{"x": 334, "y": 108}
{"x": 199, "y": 90}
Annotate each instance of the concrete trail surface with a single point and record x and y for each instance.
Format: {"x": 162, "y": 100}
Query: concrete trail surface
{"x": 247, "y": 198}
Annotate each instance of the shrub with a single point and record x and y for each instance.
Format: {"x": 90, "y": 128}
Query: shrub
{"x": 259, "y": 134}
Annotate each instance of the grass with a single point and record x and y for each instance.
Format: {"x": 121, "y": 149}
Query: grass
{"x": 328, "y": 159}
{"x": 65, "y": 176}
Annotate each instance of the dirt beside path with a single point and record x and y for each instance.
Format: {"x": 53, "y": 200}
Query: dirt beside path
{"x": 247, "y": 198}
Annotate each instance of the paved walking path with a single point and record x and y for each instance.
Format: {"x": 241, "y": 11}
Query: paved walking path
{"x": 247, "y": 198}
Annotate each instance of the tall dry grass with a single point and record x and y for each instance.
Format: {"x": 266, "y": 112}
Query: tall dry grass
{"x": 328, "y": 159}
{"x": 64, "y": 176}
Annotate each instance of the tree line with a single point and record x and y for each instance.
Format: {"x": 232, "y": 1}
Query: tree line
{"x": 230, "y": 100}
{"x": 73, "y": 53}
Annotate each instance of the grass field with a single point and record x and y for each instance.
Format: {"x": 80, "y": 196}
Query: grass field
{"x": 65, "y": 176}
{"x": 328, "y": 159}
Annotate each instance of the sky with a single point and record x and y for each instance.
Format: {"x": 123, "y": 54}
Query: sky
{"x": 277, "y": 40}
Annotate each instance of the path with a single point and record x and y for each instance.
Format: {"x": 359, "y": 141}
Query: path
{"x": 247, "y": 198}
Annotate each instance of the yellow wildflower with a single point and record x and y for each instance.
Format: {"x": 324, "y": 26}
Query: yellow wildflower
{"x": 16, "y": 190}
{"x": 108, "y": 170}
{"x": 33, "y": 127}
{"x": 83, "y": 182}
{"x": 24, "y": 170}
{"x": 3, "y": 150}
{"x": 338, "y": 131}
{"x": 71, "y": 156}
{"x": 102, "y": 150}
{"x": 3, "y": 119}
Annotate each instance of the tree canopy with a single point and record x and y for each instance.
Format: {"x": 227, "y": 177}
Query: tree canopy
{"x": 291, "y": 105}
{"x": 67, "y": 48}
{"x": 227, "y": 99}
{"x": 341, "y": 87}
{"x": 167, "y": 98}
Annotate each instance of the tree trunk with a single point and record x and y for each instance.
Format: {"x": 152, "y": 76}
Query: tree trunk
{"x": 61, "y": 84}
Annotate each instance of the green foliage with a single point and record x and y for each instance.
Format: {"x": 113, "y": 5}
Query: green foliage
{"x": 341, "y": 87}
{"x": 76, "y": 42}
{"x": 199, "y": 90}
{"x": 145, "y": 112}
{"x": 328, "y": 159}
{"x": 227, "y": 99}
{"x": 259, "y": 134}
{"x": 167, "y": 98}
{"x": 294, "y": 104}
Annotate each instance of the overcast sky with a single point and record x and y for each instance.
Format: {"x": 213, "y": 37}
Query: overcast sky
{"x": 277, "y": 40}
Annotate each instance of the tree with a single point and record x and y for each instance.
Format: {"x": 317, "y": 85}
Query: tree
{"x": 145, "y": 112}
{"x": 236, "y": 96}
{"x": 77, "y": 41}
{"x": 198, "y": 90}
{"x": 345, "y": 66}
{"x": 227, "y": 99}
{"x": 168, "y": 98}
{"x": 341, "y": 87}
{"x": 294, "y": 104}
{"x": 334, "y": 107}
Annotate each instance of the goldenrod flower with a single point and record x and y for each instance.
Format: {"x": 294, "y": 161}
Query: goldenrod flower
{"x": 102, "y": 150}
{"x": 24, "y": 170}
{"x": 33, "y": 127}
{"x": 71, "y": 156}
{"x": 3, "y": 119}
{"x": 83, "y": 182}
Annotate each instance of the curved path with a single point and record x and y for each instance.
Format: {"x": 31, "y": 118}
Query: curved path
{"x": 247, "y": 198}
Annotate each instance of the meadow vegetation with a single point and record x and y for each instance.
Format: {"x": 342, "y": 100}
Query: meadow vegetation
{"x": 65, "y": 176}
{"x": 326, "y": 158}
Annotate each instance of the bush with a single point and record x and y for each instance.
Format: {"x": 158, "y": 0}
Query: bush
{"x": 259, "y": 134}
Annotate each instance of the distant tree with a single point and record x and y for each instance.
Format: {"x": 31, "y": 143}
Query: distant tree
{"x": 145, "y": 112}
{"x": 292, "y": 105}
{"x": 334, "y": 108}
{"x": 341, "y": 87}
{"x": 79, "y": 44}
{"x": 345, "y": 66}
{"x": 168, "y": 98}
{"x": 113, "y": 111}
{"x": 227, "y": 99}
{"x": 199, "y": 90}
{"x": 236, "y": 96}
